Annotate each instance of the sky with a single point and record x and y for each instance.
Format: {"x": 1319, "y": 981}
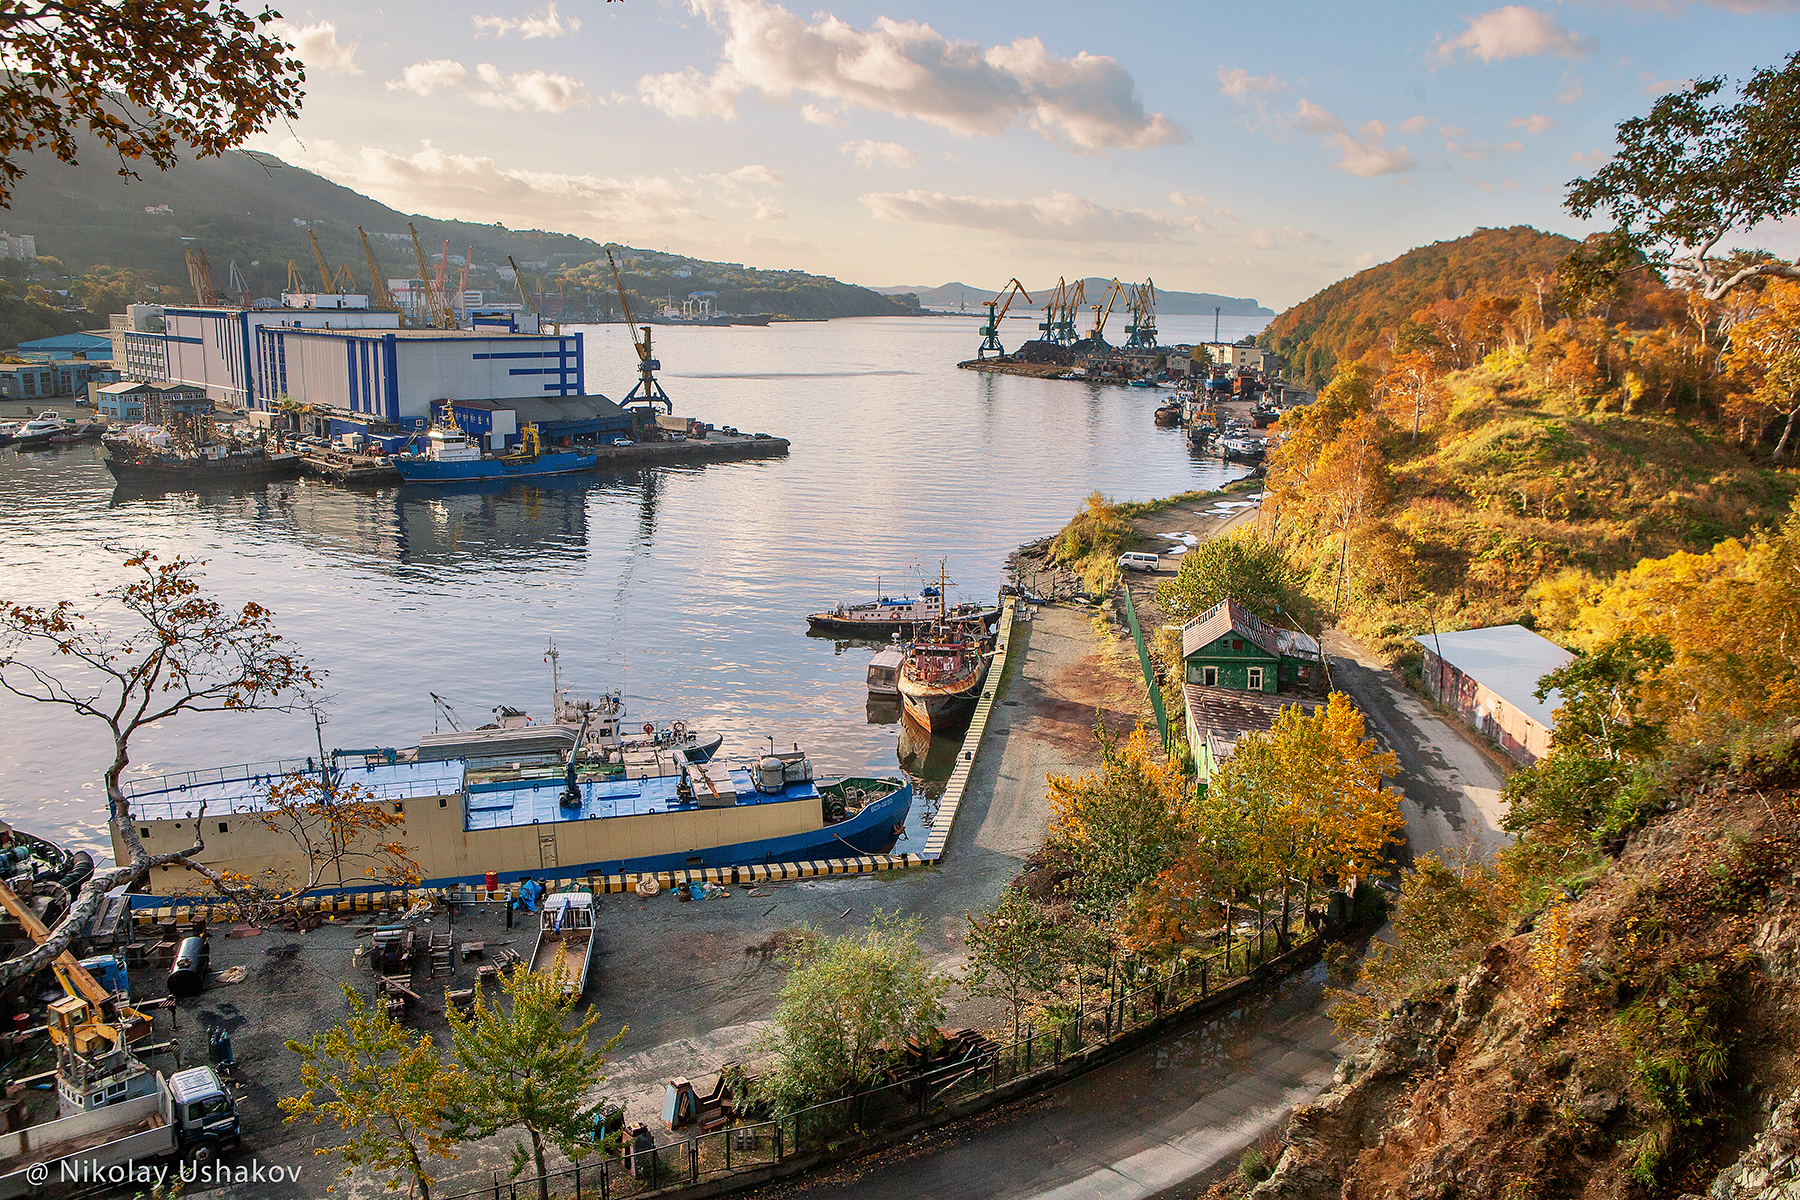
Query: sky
{"x": 1261, "y": 150}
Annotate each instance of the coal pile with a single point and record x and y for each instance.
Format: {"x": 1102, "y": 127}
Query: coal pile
{"x": 1044, "y": 353}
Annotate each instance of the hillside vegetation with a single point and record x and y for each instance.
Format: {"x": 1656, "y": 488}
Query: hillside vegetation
{"x": 255, "y": 211}
{"x": 1344, "y": 321}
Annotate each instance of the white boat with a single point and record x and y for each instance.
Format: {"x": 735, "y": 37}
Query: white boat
{"x": 39, "y": 429}
{"x": 884, "y": 674}
{"x": 565, "y": 940}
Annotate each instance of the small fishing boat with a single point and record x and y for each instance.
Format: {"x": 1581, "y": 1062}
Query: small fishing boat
{"x": 884, "y": 675}
{"x": 940, "y": 679}
{"x": 1168, "y": 415}
{"x": 450, "y": 457}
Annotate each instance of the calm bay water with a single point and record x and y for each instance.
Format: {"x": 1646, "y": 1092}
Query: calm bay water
{"x": 687, "y": 587}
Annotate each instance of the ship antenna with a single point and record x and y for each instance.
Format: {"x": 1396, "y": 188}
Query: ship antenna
{"x": 551, "y": 655}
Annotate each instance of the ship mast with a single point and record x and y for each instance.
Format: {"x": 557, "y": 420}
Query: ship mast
{"x": 551, "y": 655}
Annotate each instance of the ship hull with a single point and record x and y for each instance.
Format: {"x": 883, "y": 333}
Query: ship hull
{"x": 941, "y": 709}
{"x": 127, "y": 469}
{"x": 450, "y": 851}
{"x": 426, "y": 470}
{"x": 830, "y": 623}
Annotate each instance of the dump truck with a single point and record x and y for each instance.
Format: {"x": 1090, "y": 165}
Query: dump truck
{"x": 190, "y": 1114}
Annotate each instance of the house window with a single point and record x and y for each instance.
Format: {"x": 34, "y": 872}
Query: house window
{"x": 1256, "y": 679}
{"x": 1237, "y": 643}
{"x": 1210, "y": 676}
{"x": 143, "y": 833}
{"x": 222, "y": 828}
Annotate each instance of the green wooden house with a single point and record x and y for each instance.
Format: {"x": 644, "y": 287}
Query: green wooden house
{"x": 1238, "y": 673}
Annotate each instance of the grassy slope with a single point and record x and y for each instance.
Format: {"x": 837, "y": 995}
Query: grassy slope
{"x": 1518, "y": 486}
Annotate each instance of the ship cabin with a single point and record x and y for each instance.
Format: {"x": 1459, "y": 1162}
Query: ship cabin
{"x": 450, "y": 445}
{"x": 1238, "y": 673}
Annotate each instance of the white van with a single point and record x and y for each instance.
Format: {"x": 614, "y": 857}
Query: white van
{"x": 1138, "y": 562}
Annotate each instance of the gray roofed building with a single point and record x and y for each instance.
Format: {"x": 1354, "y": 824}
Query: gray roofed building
{"x": 1490, "y": 677}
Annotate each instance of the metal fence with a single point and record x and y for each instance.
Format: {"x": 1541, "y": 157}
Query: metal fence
{"x": 1133, "y": 996}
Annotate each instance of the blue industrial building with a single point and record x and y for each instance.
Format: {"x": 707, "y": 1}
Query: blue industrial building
{"x": 65, "y": 346}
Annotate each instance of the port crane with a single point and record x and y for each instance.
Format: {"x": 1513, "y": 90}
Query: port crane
{"x": 997, "y": 308}
{"x": 325, "y": 284}
{"x": 646, "y": 392}
{"x": 239, "y": 285}
{"x": 200, "y": 274}
{"x": 1103, "y": 310}
{"x": 1053, "y": 307}
{"x": 1141, "y": 332}
{"x": 530, "y": 304}
{"x": 436, "y": 312}
{"x": 379, "y": 295}
{"x": 1065, "y": 333}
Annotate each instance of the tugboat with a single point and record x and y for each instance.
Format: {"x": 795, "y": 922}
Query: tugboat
{"x": 450, "y": 457}
{"x": 940, "y": 675}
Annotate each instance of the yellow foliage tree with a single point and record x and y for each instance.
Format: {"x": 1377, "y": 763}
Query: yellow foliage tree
{"x": 1122, "y": 824}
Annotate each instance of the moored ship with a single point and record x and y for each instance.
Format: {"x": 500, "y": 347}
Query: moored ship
{"x": 461, "y": 825}
{"x": 450, "y": 456}
{"x": 940, "y": 679}
{"x": 888, "y": 615}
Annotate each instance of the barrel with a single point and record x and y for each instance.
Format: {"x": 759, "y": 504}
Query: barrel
{"x": 493, "y": 881}
{"x": 193, "y": 962}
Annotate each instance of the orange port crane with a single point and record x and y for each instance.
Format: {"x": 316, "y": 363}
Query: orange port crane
{"x": 201, "y": 276}
{"x": 436, "y": 314}
{"x": 325, "y": 284}
{"x": 997, "y": 308}
{"x": 646, "y": 392}
{"x": 379, "y": 295}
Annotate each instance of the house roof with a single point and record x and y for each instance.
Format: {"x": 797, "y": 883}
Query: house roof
{"x": 1226, "y": 617}
{"x": 68, "y": 341}
{"x": 1223, "y": 715}
{"x": 548, "y": 410}
{"x": 1508, "y": 660}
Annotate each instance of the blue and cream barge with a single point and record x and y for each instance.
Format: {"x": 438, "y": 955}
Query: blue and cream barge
{"x": 450, "y": 456}
{"x": 463, "y": 824}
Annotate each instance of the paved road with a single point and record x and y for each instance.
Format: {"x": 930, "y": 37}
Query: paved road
{"x": 1151, "y": 1122}
{"x": 1452, "y": 788}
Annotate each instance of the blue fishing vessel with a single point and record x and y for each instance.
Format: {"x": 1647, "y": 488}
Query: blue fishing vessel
{"x": 449, "y": 456}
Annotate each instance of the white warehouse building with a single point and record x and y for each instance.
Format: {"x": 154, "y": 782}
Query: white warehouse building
{"x": 397, "y": 374}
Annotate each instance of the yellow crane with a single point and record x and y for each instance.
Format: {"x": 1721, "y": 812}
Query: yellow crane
{"x": 295, "y": 283}
{"x": 436, "y": 315}
{"x": 379, "y": 296}
{"x": 1052, "y": 309}
{"x": 1065, "y": 332}
{"x": 319, "y": 257}
{"x": 200, "y": 274}
{"x": 1103, "y": 310}
{"x": 108, "y": 1017}
{"x": 990, "y": 333}
{"x": 647, "y": 391}
{"x": 1141, "y": 332}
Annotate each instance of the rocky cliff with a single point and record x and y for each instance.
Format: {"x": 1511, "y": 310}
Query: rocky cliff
{"x": 1635, "y": 1037}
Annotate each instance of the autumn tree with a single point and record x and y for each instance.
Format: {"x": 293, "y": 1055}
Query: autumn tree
{"x": 1703, "y": 164}
{"x": 849, "y": 1003}
{"x": 1121, "y": 824}
{"x": 527, "y": 1069}
{"x": 1014, "y": 952}
{"x": 1243, "y": 566}
{"x": 147, "y": 81}
{"x": 385, "y": 1086}
{"x": 1764, "y": 359}
{"x": 176, "y": 650}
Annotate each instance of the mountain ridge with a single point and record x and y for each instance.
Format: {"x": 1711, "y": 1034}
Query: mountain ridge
{"x": 1172, "y": 302}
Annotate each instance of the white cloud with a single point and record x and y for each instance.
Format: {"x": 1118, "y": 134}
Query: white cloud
{"x": 1236, "y": 81}
{"x": 1417, "y": 124}
{"x": 1571, "y": 89}
{"x": 426, "y": 77}
{"x": 1591, "y": 158}
{"x": 1362, "y": 152}
{"x": 821, "y": 116}
{"x": 1058, "y": 217}
{"x": 1201, "y": 204}
{"x": 1274, "y": 237}
{"x": 546, "y": 24}
{"x": 465, "y": 187}
{"x": 889, "y": 154}
{"x": 318, "y": 46}
{"x": 908, "y": 69}
{"x": 1657, "y": 87}
{"x": 1513, "y": 31}
{"x": 756, "y": 173}
{"x": 768, "y": 210}
{"x": 1535, "y": 123}
{"x": 1485, "y": 186}
{"x": 541, "y": 91}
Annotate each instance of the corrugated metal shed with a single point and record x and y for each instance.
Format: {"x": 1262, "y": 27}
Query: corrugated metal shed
{"x": 1508, "y": 660}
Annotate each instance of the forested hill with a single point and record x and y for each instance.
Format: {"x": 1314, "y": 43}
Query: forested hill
{"x": 256, "y": 212}
{"x": 1344, "y": 320}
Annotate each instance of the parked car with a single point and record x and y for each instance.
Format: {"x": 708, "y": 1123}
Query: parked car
{"x": 623, "y": 441}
